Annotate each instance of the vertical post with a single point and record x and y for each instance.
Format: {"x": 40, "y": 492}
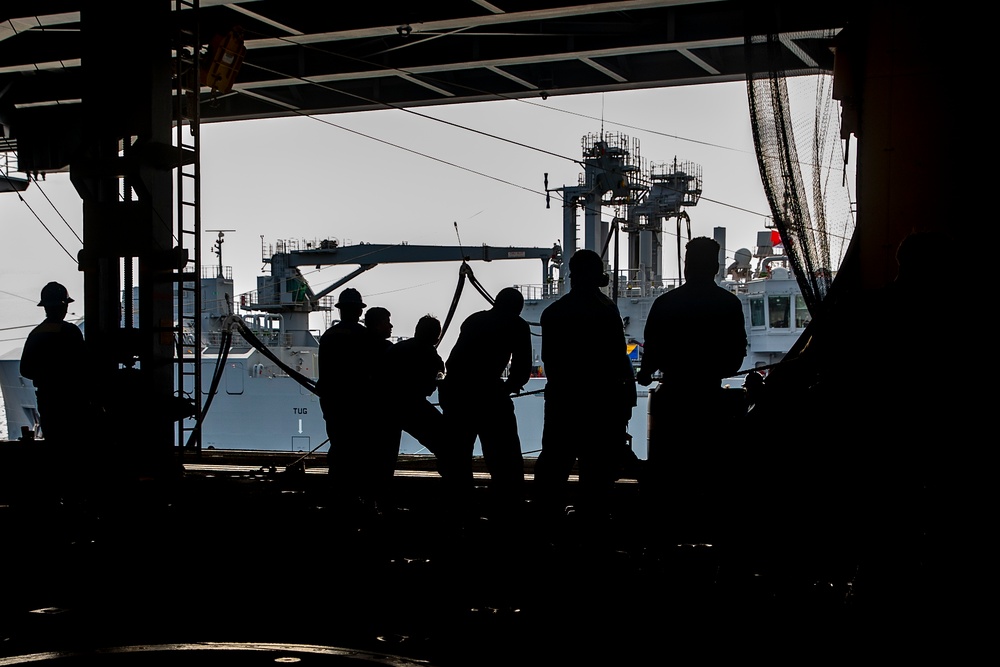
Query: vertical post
{"x": 125, "y": 183}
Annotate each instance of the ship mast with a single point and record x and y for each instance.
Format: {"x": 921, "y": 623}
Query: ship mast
{"x": 217, "y": 247}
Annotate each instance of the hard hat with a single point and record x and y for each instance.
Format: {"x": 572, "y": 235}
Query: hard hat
{"x": 350, "y": 297}
{"x": 54, "y": 294}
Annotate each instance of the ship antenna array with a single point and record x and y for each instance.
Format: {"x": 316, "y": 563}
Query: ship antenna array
{"x": 217, "y": 248}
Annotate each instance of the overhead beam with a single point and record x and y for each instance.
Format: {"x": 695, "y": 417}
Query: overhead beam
{"x": 472, "y": 22}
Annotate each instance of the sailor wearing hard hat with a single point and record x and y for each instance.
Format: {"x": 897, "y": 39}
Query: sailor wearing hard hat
{"x": 342, "y": 380}
{"x": 54, "y": 359}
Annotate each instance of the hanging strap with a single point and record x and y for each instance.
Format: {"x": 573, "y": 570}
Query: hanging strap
{"x": 464, "y": 273}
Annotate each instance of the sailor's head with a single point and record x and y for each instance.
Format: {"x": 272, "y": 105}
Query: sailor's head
{"x": 509, "y": 300}
{"x": 54, "y": 294}
{"x": 701, "y": 258}
{"x": 428, "y": 329}
{"x": 378, "y": 320}
{"x": 586, "y": 269}
{"x": 350, "y": 304}
{"x": 350, "y": 297}
{"x": 55, "y": 299}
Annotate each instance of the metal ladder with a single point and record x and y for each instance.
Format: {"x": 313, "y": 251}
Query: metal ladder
{"x": 187, "y": 119}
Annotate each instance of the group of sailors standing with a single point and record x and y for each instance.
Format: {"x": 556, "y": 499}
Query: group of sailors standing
{"x": 371, "y": 390}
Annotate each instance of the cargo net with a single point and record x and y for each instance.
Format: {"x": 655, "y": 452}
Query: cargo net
{"x": 801, "y": 157}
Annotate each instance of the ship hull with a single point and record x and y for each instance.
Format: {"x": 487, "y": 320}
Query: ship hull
{"x": 279, "y": 414}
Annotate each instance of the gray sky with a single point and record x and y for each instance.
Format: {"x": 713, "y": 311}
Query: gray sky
{"x": 392, "y": 176}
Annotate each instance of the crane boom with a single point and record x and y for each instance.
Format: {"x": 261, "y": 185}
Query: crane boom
{"x": 379, "y": 253}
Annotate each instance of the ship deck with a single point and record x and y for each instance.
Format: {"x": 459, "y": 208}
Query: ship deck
{"x": 240, "y": 560}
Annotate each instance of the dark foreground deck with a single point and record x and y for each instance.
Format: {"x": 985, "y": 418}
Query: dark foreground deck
{"x": 240, "y": 561}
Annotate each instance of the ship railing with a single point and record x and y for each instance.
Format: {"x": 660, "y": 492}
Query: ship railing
{"x": 630, "y": 286}
{"x": 735, "y": 286}
{"x": 538, "y": 292}
{"x": 258, "y": 300}
{"x": 213, "y": 272}
{"x": 626, "y": 289}
{"x": 271, "y": 299}
{"x": 285, "y": 246}
{"x": 239, "y": 344}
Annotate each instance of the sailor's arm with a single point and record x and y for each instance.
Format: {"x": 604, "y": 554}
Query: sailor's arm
{"x": 30, "y": 361}
{"x": 520, "y": 359}
{"x": 736, "y": 347}
{"x": 650, "y": 361}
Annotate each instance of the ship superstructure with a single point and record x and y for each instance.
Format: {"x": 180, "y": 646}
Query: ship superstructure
{"x": 644, "y": 199}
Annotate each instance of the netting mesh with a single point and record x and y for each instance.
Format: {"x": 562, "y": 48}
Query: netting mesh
{"x": 795, "y": 125}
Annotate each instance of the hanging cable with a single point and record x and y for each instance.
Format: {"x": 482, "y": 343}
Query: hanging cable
{"x": 68, "y": 254}
{"x": 220, "y": 366}
{"x": 415, "y": 113}
{"x": 58, "y": 212}
{"x": 261, "y": 347}
{"x": 462, "y": 272}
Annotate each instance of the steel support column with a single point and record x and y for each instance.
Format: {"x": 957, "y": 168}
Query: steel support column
{"x": 123, "y": 173}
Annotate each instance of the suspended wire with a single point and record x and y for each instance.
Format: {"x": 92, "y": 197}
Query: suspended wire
{"x": 56, "y": 209}
{"x": 631, "y": 127}
{"x": 16, "y": 295}
{"x": 40, "y": 221}
{"x": 409, "y": 150}
{"x": 416, "y": 113}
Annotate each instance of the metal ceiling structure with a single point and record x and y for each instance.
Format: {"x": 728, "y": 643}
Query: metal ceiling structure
{"x": 306, "y": 58}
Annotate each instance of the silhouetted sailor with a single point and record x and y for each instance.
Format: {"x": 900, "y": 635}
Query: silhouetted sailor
{"x": 695, "y": 336}
{"x": 416, "y": 369}
{"x": 343, "y": 372}
{"x": 475, "y": 397}
{"x": 54, "y": 359}
{"x": 589, "y": 392}
{"x": 383, "y": 448}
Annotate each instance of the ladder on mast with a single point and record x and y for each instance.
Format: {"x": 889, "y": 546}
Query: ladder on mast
{"x": 187, "y": 126}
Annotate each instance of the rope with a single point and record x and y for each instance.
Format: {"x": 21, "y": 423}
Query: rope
{"x": 479, "y": 287}
{"x": 454, "y": 300}
{"x": 225, "y": 344}
{"x": 251, "y": 338}
{"x": 302, "y": 458}
{"x": 464, "y": 273}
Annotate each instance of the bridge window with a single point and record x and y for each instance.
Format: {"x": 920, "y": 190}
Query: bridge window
{"x": 757, "y": 312}
{"x": 802, "y": 316}
{"x": 778, "y": 310}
